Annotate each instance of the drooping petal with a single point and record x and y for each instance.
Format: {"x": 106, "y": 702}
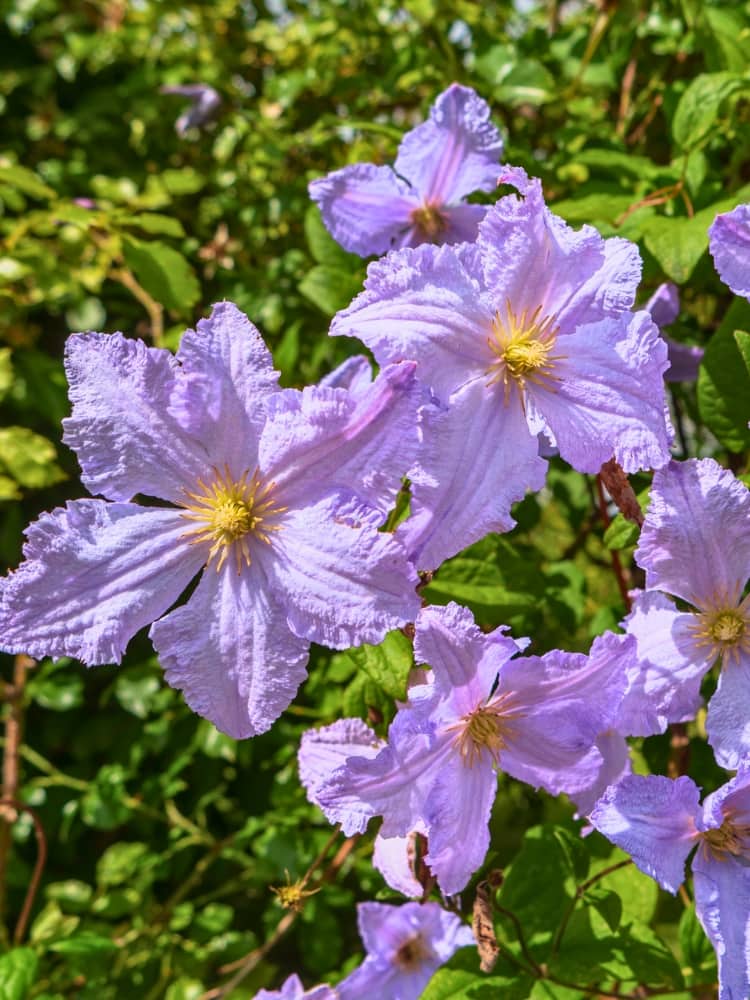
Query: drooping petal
{"x": 122, "y": 428}
{"x": 424, "y": 304}
{"x": 230, "y": 651}
{"x": 455, "y": 152}
{"x": 695, "y": 540}
{"x": 394, "y": 858}
{"x": 342, "y": 582}
{"x": 463, "y": 222}
{"x": 354, "y": 374}
{"x": 608, "y": 397}
{"x": 729, "y": 244}
{"x": 478, "y": 459}
{"x": 322, "y": 439}
{"x": 229, "y": 375}
{"x": 653, "y": 819}
{"x": 366, "y": 208}
{"x": 615, "y": 765}
{"x": 323, "y": 750}
{"x": 456, "y": 815}
{"x": 533, "y": 258}
{"x": 94, "y": 574}
{"x": 684, "y": 361}
{"x": 667, "y": 669}
{"x": 664, "y": 304}
{"x": 722, "y": 904}
{"x": 728, "y": 718}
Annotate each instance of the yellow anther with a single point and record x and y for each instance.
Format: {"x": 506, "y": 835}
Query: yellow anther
{"x": 486, "y": 728}
{"x": 729, "y": 838}
{"x": 723, "y": 630}
{"x": 522, "y": 346}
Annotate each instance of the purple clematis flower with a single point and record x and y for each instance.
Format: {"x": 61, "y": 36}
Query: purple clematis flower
{"x": 370, "y": 209}
{"x": 405, "y": 945}
{"x": 476, "y": 710}
{"x": 528, "y": 330}
{"x": 659, "y": 821}
{"x": 729, "y": 243}
{"x": 276, "y": 495}
{"x": 204, "y": 105}
{"x": 684, "y": 359}
{"x": 292, "y": 989}
{"x": 695, "y": 545}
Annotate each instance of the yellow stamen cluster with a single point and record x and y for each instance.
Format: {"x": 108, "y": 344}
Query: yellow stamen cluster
{"x": 412, "y": 953}
{"x": 429, "y": 221}
{"x": 484, "y": 728}
{"x": 229, "y": 513}
{"x": 522, "y": 345}
{"x": 292, "y": 896}
{"x": 729, "y": 838}
{"x": 723, "y": 630}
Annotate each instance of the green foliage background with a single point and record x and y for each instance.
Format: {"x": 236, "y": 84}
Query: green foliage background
{"x": 165, "y": 836}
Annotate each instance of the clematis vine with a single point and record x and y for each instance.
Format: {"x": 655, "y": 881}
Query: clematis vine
{"x": 474, "y": 711}
{"x": 370, "y": 209}
{"x": 694, "y": 545}
{"x": 659, "y": 821}
{"x": 526, "y": 331}
{"x": 273, "y": 497}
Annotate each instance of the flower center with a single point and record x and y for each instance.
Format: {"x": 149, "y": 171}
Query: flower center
{"x": 229, "y": 512}
{"x": 484, "y": 728}
{"x": 723, "y": 630}
{"x": 730, "y": 838}
{"x": 412, "y": 953}
{"x": 522, "y": 348}
{"x": 429, "y": 221}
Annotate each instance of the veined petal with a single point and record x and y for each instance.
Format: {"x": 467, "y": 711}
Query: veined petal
{"x": 457, "y": 815}
{"x": 322, "y": 439}
{"x": 425, "y": 304}
{"x": 463, "y": 222}
{"x": 653, "y": 819}
{"x": 666, "y": 672}
{"x": 695, "y": 541}
{"x": 230, "y": 652}
{"x": 614, "y": 765}
{"x": 728, "y": 718}
{"x": 229, "y": 375}
{"x": 722, "y": 904}
{"x": 609, "y": 400}
{"x": 322, "y": 751}
{"x": 354, "y": 374}
{"x": 122, "y": 429}
{"x": 477, "y": 460}
{"x": 342, "y": 582}
{"x": 664, "y": 304}
{"x": 94, "y": 574}
{"x": 366, "y": 208}
{"x": 455, "y": 152}
{"x": 533, "y": 258}
{"x": 729, "y": 243}
{"x": 394, "y": 858}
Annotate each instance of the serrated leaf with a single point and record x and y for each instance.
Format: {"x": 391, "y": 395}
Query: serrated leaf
{"x": 700, "y": 105}
{"x": 164, "y": 273}
{"x": 17, "y": 973}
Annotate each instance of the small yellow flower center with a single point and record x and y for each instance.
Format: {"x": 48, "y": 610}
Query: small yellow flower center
{"x": 730, "y": 838}
{"x": 412, "y": 953}
{"x": 429, "y": 221}
{"x": 484, "y": 729}
{"x": 229, "y": 512}
{"x": 723, "y": 630}
{"x": 522, "y": 347}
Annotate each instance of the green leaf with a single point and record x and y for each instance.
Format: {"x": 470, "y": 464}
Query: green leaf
{"x": 164, "y": 273}
{"x": 119, "y": 863}
{"x": 699, "y": 106}
{"x": 17, "y": 973}
{"x": 621, "y": 533}
{"x": 607, "y": 903}
{"x": 323, "y": 247}
{"x": 26, "y": 181}
{"x": 72, "y": 894}
{"x": 154, "y": 224}
{"x": 724, "y": 390}
{"x": 677, "y": 244}
{"x": 137, "y": 689}
{"x": 59, "y": 691}
{"x": 6, "y": 371}
{"x": 330, "y": 289}
{"x": 648, "y": 957}
{"x": 83, "y": 943}
{"x": 743, "y": 345}
{"x": 697, "y": 951}
{"x": 638, "y": 893}
{"x": 29, "y": 458}
{"x": 387, "y": 665}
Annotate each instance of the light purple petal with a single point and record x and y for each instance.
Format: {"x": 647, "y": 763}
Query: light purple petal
{"x": 341, "y": 584}
{"x": 228, "y": 376}
{"x": 94, "y": 574}
{"x": 354, "y": 374}
{"x": 667, "y": 669}
{"x": 366, "y": 208}
{"x": 455, "y": 152}
{"x": 457, "y": 815}
{"x": 653, "y": 819}
{"x": 722, "y": 904}
{"x": 729, "y": 243}
{"x": 615, "y": 765}
{"x": 426, "y": 305}
{"x": 664, "y": 304}
{"x": 230, "y": 651}
{"x": 478, "y": 459}
{"x": 728, "y": 719}
{"x": 695, "y": 541}
{"x": 322, "y": 751}
{"x": 293, "y": 989}
{"x": 684, "y": 361}
{"x": 322, "y": 439}
{"x": 127, "y": 439}
{"x": 394, "y": 858}
{"x": 462, "y": 222}
{"x": 533, "y": 258}
{"x": 609, "y": 400}
{"x": 730, "y": 800}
